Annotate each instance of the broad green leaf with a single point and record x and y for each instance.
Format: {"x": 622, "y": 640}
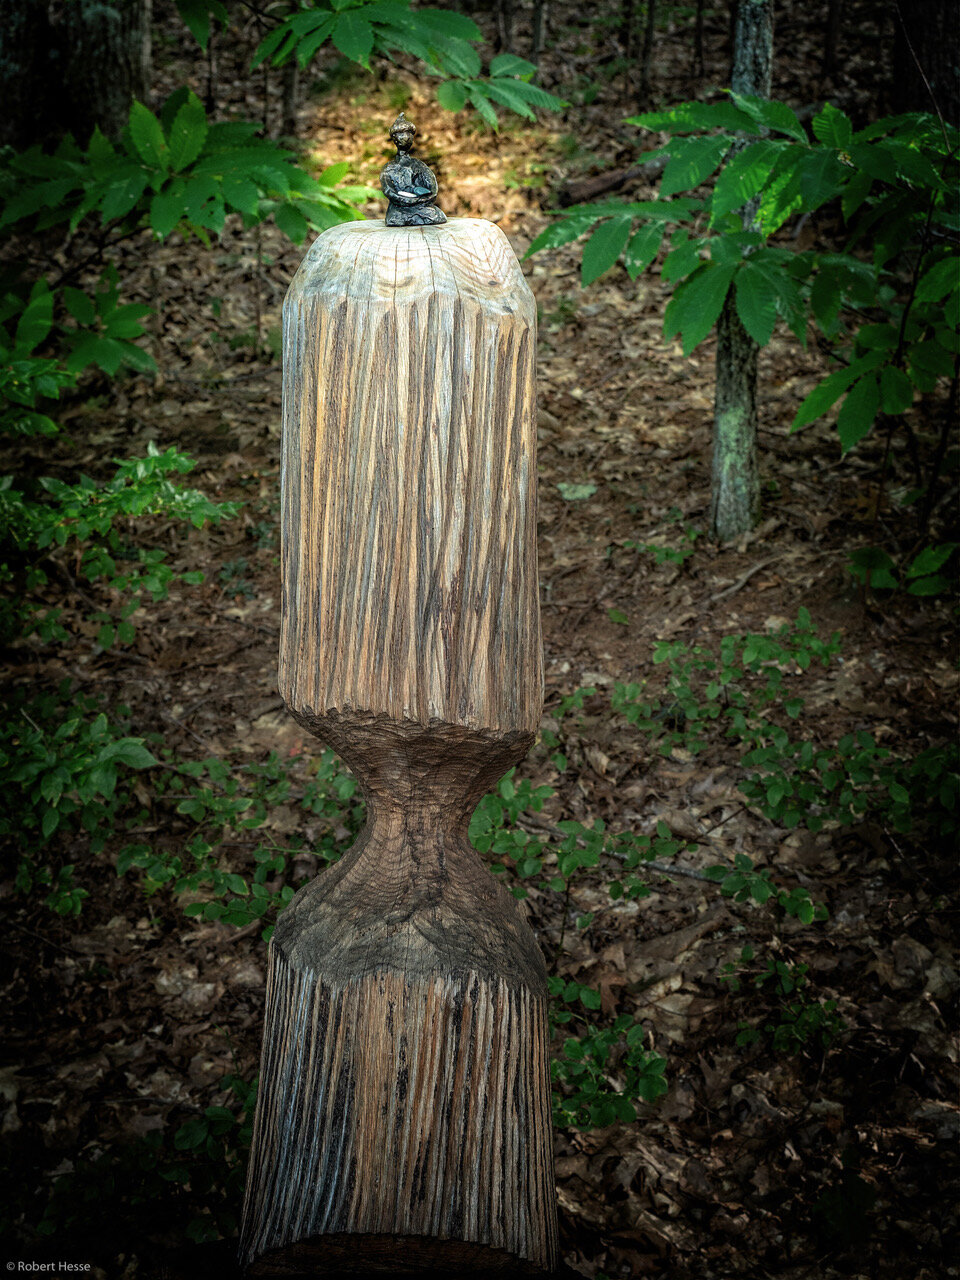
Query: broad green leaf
{"x": 822, "y": 178}
{"x": 533, "y": 95}
{"x": 696, "y": 304}
{"x": 858, "y": 411}
{"x": 452, "y": 95}
{"x": 146, "y": 133}
{"x": 563, "y": 231}
{"x": 241, "y": 193}
{"x": 643, "y": 247}
{"x": 829, "y": 391}
{"x": 508, "y": 64}
{"x": 775, "y": 116}
{"x": 122, "y": 195}
{"x": 683, "y": 258}
{"x": 832, "y": 127}
{"x": 188, "y": 133}
{"x": 270, "y": 44}
{"x": 689, "y": 117}
{"x": 941, "y": 279}
{"x": 503, "y": 91}
{"x": 166, "y": 209}
{"x": 782, "y": 195}
{"x": 198, "y": 16}
{"x": 691, "y": 162}
{"x": 604, "y": 247}
{"x": 481, "y": 102}
{"x": 291, "y": 222}
{"x": 896, "y": 390}
{"x": 80, "y": 306}
{"x": 456, "y": 26}
{"x": 37, "y": 318}
{"x": 756, "y": 300}
{"x": 743, "y": 176}
{"x": 931, "y": 559}
{"x": 334, "y": 173}
{"x": 353, "y": 36}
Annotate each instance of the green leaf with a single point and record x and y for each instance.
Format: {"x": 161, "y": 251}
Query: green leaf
{"x": 37, "y": 318}
{"x": 604, "y": 247}
{"x": 122, "y": 194}
{"x": 576, "y": 492}
{"x": 691, "y": 162}
{"x": 147, "y": 135}
{"x": 825, "y": 394}
{"x": 756, "y": 303}
{"x": 291, "y": 222}
{"x": 775, "y": 116}
{"x": 353, "y": 36}
{"x": 858, "y": 411}
{"x": 941, "y": 279}
{"x": 166, "y": 209}
{"x": 696, "y": 304}
{"x": 188, "y": 133}
{"x": 198, "y": 16}
{"x": 896, "y": 390}
{"x": 643, "y": 247}
{"x": 79, "y": 305}
{"x": 617, "y": 615}
{"x": 832, "y": 127}
{"x": 508, "y": 64}
{"x": 688, "y": 117}
{"x": 743, "y": 177}
{"x": 452, "y": 95}
{"x": 931, "y": 559}
{"x": 562, "y": 232}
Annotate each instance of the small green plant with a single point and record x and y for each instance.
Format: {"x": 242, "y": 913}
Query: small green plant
{"x": 798, "y": 1019}
{"x": 232, "y": 577}
{"x": 924, "y": 574}
{"x": 663, "y": 554}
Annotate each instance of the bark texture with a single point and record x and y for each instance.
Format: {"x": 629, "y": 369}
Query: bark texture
{"x": 735, "y": 481}
{"x": 69, "y": 66}
{"x": 404, "y": 1107}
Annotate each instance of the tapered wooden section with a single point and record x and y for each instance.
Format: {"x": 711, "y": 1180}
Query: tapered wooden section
{"x": 409, "y": 495}
{"x": 403, "y": 1121}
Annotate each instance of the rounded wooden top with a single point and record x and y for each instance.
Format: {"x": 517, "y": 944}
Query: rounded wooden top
{"x": 467, "y": 257}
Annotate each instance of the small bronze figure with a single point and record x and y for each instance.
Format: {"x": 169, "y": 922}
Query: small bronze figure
{"x": 408, "y": 184}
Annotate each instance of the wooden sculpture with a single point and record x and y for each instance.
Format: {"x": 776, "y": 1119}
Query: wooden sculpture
{"x": 403, "y": 1121}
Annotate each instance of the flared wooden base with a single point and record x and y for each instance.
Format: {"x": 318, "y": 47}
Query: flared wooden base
{"x": 401, "y": 1108}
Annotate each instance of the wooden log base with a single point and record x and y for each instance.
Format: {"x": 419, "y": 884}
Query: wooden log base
{"x": 340, "y": 1255}
{"x": 402, "y": 1106}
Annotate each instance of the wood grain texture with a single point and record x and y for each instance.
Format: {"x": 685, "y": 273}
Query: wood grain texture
{"x": 413, "y": 1109}
{"x": 405, "y": 1092}
{"x": 409, "y": 486}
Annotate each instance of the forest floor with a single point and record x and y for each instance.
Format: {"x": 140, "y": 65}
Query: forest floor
{"x": 839, "y": 1160}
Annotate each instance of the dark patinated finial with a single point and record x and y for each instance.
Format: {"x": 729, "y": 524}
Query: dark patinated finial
{"x": 408, "y": 184}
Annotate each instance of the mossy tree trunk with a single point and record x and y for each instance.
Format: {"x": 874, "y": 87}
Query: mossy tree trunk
{"x": 735, "y": 489}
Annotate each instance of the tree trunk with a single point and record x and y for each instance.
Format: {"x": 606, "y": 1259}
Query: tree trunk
{"x": 26, "y": 64}
{"x": 646, "y": 56}
{"x": 926, "y": 53}
{"x": 831, "y": 36}
{"x": 735, "y": 492}
{"x": 71, "y": 66}
{"x": 698, "y": 40}
{"x": 106, "y": 63}
{"x": 541, "y": 20}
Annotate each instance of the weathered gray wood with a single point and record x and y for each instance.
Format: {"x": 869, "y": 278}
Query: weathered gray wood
{"x": 404, "y": 1113}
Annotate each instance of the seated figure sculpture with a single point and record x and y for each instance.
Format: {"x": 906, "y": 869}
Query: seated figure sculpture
{"x": 408, "y": 184}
